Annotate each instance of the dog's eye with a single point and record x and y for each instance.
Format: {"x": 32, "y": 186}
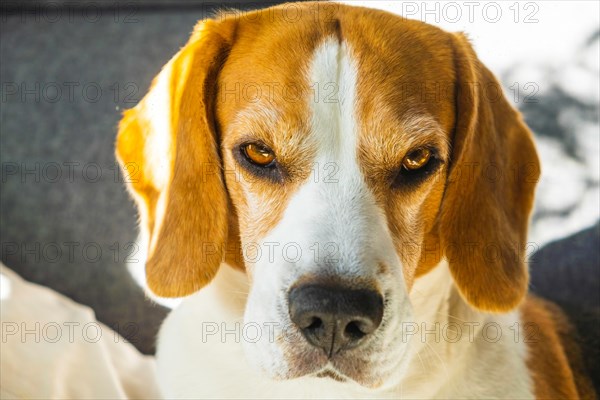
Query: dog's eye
{"x": 417, "y": 166}
{"x": 416, "y": 159}
{"x": 258, "y": 154}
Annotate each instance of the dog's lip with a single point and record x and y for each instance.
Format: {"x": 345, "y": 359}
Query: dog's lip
{"x": 331, "y": 373}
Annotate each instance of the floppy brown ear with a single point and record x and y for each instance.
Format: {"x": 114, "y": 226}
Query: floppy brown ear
{"x": 168, "y": 149}
{"x": 490, "y": 189}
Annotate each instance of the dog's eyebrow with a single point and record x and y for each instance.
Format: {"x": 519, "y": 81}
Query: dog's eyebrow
{"x": 261, "y": 114}
{"x": 421, "y": 129}
{"x": 397, "y": 135}
{"x": 257, "y": 121}
{"x": 264, "y": 121}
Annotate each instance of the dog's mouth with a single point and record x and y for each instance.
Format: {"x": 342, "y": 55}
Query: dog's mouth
{"x": 331, "y": 374}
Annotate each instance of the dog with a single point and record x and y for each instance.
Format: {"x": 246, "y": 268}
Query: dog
{"x": 342, "y": 196}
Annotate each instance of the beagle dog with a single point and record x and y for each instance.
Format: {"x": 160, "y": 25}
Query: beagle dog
{"x": 342, "y": 195}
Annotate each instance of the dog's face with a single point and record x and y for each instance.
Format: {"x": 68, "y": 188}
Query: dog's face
{"x": 339, "y": 177}
{"x": 334, "y": 158}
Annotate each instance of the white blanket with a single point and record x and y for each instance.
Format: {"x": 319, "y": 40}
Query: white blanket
{"x": 53, "y": 348}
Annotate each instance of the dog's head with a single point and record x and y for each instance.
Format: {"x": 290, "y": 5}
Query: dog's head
{"x": 334, "y": 155}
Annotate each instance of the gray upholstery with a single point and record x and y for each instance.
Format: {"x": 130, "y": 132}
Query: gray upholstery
{"x": 568, "y": 272}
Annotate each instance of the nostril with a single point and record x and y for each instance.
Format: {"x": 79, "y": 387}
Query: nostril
{"x": 353, "y": 331}
{"x": 316, "y": 331}
{"x": 315, "y": 325}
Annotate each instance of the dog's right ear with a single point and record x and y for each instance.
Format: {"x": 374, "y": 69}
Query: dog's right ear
{"x": 168, "y": 149}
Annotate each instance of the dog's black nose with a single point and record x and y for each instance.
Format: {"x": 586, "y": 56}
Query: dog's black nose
{"x": 334, "y": 317}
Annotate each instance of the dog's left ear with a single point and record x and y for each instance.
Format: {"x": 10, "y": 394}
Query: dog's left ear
{"x": 490, "y": 190}
{"x": 169, "y": 150}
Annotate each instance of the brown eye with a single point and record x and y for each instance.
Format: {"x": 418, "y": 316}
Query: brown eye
{"x": 259, "y": 155}
{"x": 416, "y": 159}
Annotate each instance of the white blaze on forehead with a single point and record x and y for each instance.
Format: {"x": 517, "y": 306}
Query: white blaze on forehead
{"x": 340, "y": 189}
{"x": 333, "y": 76}
{"x": 334, "y": 207}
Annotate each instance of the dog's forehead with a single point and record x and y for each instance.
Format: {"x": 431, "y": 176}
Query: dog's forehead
{"x": 404, "y": 67}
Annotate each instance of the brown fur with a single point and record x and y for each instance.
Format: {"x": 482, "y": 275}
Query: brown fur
{"x": 554, "y": 358}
